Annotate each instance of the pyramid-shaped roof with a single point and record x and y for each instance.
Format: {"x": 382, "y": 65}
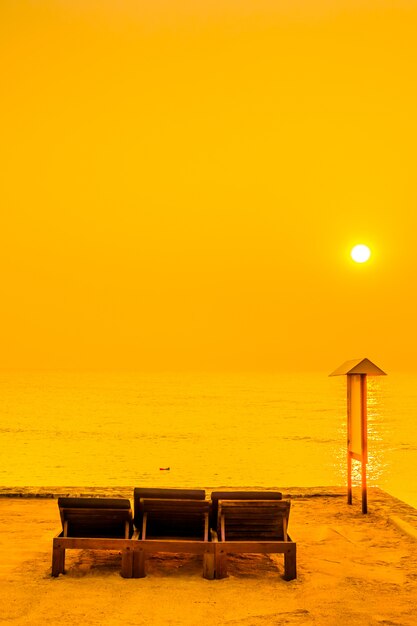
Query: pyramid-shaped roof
{"x": 358, "y": 366}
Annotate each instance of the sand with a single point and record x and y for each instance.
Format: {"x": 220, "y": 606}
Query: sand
{"x": 352, "y": 569}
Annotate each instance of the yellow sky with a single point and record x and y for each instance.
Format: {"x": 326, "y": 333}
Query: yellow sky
{"x": 182, "y": 181}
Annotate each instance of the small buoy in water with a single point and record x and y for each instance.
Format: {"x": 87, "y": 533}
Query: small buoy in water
{"x": 164, "y": 469}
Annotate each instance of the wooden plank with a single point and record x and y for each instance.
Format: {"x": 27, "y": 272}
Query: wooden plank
{"x": 139, "y": 563}
{"x": 290, "y": 562}
{"x": 253, "y": 509}
{"x": 58, "y": 559}
{"x": 349, "y": 439}
{"x": 364, "y": 410}
{"x": 151, "y": 546}
{"x": 127, "y": 563}
{"x": 206, "y": 526}
{"x": 254, "y": 524}
{"x": 93, "y": 543}
{"x": 177, "y": 507}
{"x": 222, "y": 528}
{"x": 220, "y": 561}
{"x": 208, "y": 565}
{"x": 144, "y": 523}
{"x": 89, "y": 513}
{"x": 256, "y": 547}
{"x": 364, "y": 444}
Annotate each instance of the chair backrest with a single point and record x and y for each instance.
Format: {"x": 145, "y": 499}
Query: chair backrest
{"x": 140, "y": 493}
{"x": 238, "y": 495}
{"x": 253, "y": 520}
{"x": 170, "y": 518}
{"x": 96, "y": 517}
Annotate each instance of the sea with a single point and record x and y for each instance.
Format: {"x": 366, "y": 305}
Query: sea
{"x": 266, "y": 430}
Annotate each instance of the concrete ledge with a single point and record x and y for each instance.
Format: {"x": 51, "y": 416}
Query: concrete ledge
{"x": 404, "y": 527}
{"x": 127, "y": 491}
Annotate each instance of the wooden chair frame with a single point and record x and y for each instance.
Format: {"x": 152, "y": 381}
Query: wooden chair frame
{"x": 176, "y": 544}
{"x": 62, "y": 542}
{"x": 184, "y": 514}
{"x": 284, "y": 545}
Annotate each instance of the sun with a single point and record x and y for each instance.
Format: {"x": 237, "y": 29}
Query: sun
{"x": 360, "y": 253}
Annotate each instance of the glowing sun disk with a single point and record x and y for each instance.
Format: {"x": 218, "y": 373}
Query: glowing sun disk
{"x": 360, "y": 253}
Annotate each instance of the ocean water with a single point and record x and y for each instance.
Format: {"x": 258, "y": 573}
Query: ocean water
{"x": 210, "y": 430}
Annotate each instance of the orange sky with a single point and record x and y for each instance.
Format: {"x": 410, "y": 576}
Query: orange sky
{"x": 182, "y": 181}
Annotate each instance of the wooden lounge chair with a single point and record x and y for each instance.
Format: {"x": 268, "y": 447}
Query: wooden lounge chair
{"x": 170, "y": 524}
{"x": 253, "y": 526}
{"x": 94, "y": 524}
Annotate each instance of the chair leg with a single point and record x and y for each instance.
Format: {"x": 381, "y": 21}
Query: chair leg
{"x": 127, "y": 563}
{"x": 138, "y": 568}
{"x": 63, "y": 561}
{"x": 58, "y": 560}
{"x": 290, "y": 562}
{"x": 220, "y": 565}
{"x": 208, "y": 565}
